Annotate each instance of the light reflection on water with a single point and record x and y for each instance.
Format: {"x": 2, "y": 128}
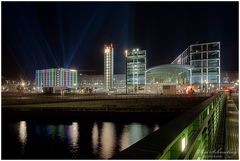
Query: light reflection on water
{"x": 95, "y": 134}
{"x": 22, "y": 132}
{"x": 74, "y": 135}
{"x": 106, "y": 138}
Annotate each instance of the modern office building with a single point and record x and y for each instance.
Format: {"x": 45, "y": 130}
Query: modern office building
{"x": 108, "y": 66}
{"x": 135, "y": 70}
{"x": 56, "y": 79}
{"x": 204, "y": 60}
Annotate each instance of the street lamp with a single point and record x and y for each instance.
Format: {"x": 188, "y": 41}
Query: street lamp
{"x": 206, "y": 88}
{"x": 126, "y": 54}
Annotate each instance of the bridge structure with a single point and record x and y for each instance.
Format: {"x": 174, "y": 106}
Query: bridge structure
{"x": 196, "y": 134}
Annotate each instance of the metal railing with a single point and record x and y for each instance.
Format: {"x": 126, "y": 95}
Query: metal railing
{"x": 197, "y": 140}
{"x": 190, "y": 136}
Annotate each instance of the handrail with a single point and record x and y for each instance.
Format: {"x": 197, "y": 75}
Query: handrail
{"x": 191, "y": 143}
{"x": 165, "y": 142}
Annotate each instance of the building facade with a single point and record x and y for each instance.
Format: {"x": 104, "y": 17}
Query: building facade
{"x": 95, "y": 83}
{"x": 204, "y": 60}
{"x": 174, "y": 75}
{"x": 108, "y": 66}
{"x": 56, "y": 79}
{"x": 135, "y": 70}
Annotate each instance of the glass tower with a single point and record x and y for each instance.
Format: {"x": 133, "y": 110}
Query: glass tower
{"x": 108, "y": 66}
{"x": 136, "y": 70}
{"x": 204, "y": 60}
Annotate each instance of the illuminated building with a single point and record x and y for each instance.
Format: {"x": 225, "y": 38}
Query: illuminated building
{"x": 163, "y": 76}
{"x": 56, "y": 79}
{"x": 108, "y": 67}
{"x": 204, "y": 60}
{"x": 135, "y": 70}
{"x": 95, "y": 83}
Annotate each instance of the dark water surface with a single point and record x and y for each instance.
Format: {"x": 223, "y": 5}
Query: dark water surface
{"x": 80, "y": 139}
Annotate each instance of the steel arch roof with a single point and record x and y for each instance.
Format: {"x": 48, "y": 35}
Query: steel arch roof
{"x": 179, "y": 66}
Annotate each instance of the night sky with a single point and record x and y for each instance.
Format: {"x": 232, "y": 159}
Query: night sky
{"x": 40, "y": 35}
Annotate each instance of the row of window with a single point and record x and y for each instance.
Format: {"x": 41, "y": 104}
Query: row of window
{"x": 206, "y": 63}
{"x": 205, "y": 47}
{"x": 141, "y": 60}
{"x": 205, "y": 55}
{"x": 205, "y": 70}
{"x": 209, "y": 79}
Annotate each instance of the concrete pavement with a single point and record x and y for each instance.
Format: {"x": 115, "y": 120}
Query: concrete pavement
{"x": 231, "y": 131}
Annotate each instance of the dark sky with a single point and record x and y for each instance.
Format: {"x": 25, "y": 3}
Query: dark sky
{"x": 39, "y": 35}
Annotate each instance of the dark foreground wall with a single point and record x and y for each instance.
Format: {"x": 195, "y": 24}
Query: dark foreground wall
{"x": 53, "y": 115}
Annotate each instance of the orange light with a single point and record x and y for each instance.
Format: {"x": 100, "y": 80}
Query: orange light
{"x": 190, "y": 89}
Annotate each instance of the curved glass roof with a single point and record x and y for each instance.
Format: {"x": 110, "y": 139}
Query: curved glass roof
{"x": 169, "y": 74}
{"x": 168, "y": 66}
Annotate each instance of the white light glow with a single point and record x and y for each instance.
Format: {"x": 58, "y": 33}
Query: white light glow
{"x": 156, "y": 127}
{"x": 126, "y": 53}
{"x": 108, "y": 140}
{"x": 22, "y": 132}
{"x": 74, "y": 134}
{"x": 125, "y": 139}
{"x": 183, "y": 143}
{"x": 107, "y": 50}
{"x": 95, "y": 134}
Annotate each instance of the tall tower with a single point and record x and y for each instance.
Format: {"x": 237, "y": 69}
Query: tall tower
{"x": 108, "y": 66}
{"x": 135, "y": 70}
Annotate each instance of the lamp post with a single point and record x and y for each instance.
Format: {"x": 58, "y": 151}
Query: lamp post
{"x": 126, "y": 54}
{"x": 206, "y": 86}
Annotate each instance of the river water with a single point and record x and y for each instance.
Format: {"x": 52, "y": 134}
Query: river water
{"x": 73, "y": 139}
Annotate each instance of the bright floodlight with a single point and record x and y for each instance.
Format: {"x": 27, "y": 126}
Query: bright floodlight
{"x": 23, "y": 84}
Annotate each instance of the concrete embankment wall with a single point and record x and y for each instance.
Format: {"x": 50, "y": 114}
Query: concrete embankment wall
{"x": 146, "y": 108}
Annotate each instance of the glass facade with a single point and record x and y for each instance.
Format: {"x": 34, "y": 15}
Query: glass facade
{"x": 65, "y": 78}
{"x": 205, "y": 63}
{"x": 170, "y": 74}
{"x": 183, "y": 58}
{"x": 136, "y": 67}
{"x": 108, "y": 66}
{"x": 204, "y": 60}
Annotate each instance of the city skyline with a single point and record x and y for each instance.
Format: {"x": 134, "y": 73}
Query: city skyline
{"x": 41, "y": 35}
